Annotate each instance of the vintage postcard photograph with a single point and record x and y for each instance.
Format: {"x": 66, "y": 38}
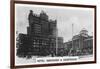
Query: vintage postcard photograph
{"x": 50, "y": 34}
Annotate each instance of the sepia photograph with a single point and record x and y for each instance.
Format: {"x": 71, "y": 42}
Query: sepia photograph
{"x": 51, "y": 34}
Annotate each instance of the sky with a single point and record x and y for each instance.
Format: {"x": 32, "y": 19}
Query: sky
{"x": 65, "y": 16}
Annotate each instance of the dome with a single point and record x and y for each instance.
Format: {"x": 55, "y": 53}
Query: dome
{"x": 84, "y": 32}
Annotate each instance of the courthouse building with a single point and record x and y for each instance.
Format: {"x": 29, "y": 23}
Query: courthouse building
{"x": 80, "y": 44}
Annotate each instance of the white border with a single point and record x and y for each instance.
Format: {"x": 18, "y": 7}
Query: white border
{"x": 46, "y": 58}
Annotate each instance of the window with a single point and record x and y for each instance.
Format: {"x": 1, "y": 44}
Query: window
{"x": 37, "y": 28}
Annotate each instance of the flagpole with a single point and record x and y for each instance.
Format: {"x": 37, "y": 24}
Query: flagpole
{"x": 72, "y": 35}
{"x": 56, "y": 41}
{"x": 72, "y": 39}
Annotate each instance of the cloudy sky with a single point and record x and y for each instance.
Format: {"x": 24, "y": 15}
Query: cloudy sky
{"x": 65, "y": 16}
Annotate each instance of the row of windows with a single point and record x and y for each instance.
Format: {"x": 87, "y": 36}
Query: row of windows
{"x": 50, "y": 46}
{"x": 37, "y": 43}
{"x": 37, "y": 28}
{"x": 40, "y": 42}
